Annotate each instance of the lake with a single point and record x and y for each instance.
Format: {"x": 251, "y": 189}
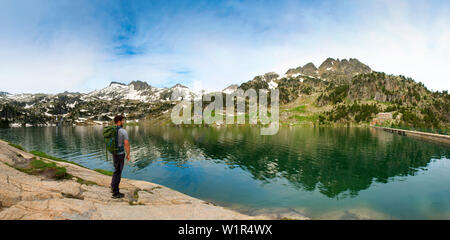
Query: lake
{"x": 323, "y": 173}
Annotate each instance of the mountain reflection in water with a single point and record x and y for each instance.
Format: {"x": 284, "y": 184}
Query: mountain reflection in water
{"x": 317, "y": 169}
{"x": 334, "y": 160}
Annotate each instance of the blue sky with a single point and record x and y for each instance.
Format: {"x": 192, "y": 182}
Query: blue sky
{"x": 53, "y": 46}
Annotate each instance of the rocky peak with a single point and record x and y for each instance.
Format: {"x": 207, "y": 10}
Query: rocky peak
{"x": 270, "y": 76}
{"x": 68, "y": 93}
{"x": 139, "y": 85}
{"x": 117, "y": 83}
{"x": 341, "y": 71}
{"x": 230, "y": 89}
{"x": 309, "y": 69}
{"x": 352, "y": 66}
{"x": 293, "y": 71}
{"x": 329, "y": 64}
{"x": 359, "y": 66}
{"x": 178, "y": 86}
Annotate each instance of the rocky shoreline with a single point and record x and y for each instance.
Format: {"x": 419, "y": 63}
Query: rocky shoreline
{"x": 35, "y": 193}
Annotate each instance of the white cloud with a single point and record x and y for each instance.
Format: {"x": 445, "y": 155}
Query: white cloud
{"x": 65, "y": 64}
{"x": 216, "y": 50}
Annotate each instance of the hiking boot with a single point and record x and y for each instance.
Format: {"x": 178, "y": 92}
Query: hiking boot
{"x": 118, "y": 195}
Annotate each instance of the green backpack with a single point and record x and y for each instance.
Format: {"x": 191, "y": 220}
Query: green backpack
{"x": 110, "y": 135}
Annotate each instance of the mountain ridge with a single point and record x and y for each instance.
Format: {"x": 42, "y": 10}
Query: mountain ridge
{"x": 337, "y": 90}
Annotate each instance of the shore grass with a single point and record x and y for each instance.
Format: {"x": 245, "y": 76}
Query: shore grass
{"x": 16, "y": 146}
{"x": 39, "y": 167}
{"x": 104, "y": 172}
{"x": 45, "y": 155}
{"x": 60, "y": 171}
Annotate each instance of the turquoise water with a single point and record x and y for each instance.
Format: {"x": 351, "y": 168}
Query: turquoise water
{"x": 319, "y": 172}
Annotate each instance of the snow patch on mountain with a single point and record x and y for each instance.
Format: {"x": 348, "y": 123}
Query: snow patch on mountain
{"x": 272, "y": 85}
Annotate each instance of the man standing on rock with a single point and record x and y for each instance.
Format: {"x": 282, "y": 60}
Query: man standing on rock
{"x": 124, "y": 146}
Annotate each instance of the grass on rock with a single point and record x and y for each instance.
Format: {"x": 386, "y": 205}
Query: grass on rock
{"x": 104, "y": 172}
{"x": 48, "y": 169}
{"x": 45, "y": 155}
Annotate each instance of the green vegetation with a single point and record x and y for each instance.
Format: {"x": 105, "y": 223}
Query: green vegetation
{"x": 136, "y": 193}
{"x": 44, "y": 155}
{"x": 133, "y": 203}
{"x": 49, "y": 169}
{"x": 134, "y": 198}
{"x": 322, "y": 119}
{"x": 429, "y": 118}
{"x": 131, "y": 123}
{"x": 8, "y": 113}
{"x": 40, "y": 167}
{"x": 337, "y": 95}
{"x": 86, "y": 182}
{"x": 310, "y": 118}
{"x": 298, "y": 109}
{"x": 4, "y": 123}
{"x": 413, "y": 118}
{"x": 356, "y": 112}
{"x": 16, "y": 146}
{"x": 104, "y": 172}
{"x": 60, "y": 172}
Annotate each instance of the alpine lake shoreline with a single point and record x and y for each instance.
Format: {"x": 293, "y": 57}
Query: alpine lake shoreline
{"x": 65, "y": 190}
{"x": 36, "y": 186}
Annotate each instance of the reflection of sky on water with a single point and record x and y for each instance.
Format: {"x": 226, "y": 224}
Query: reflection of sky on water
{"x": 318, "y": 169}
